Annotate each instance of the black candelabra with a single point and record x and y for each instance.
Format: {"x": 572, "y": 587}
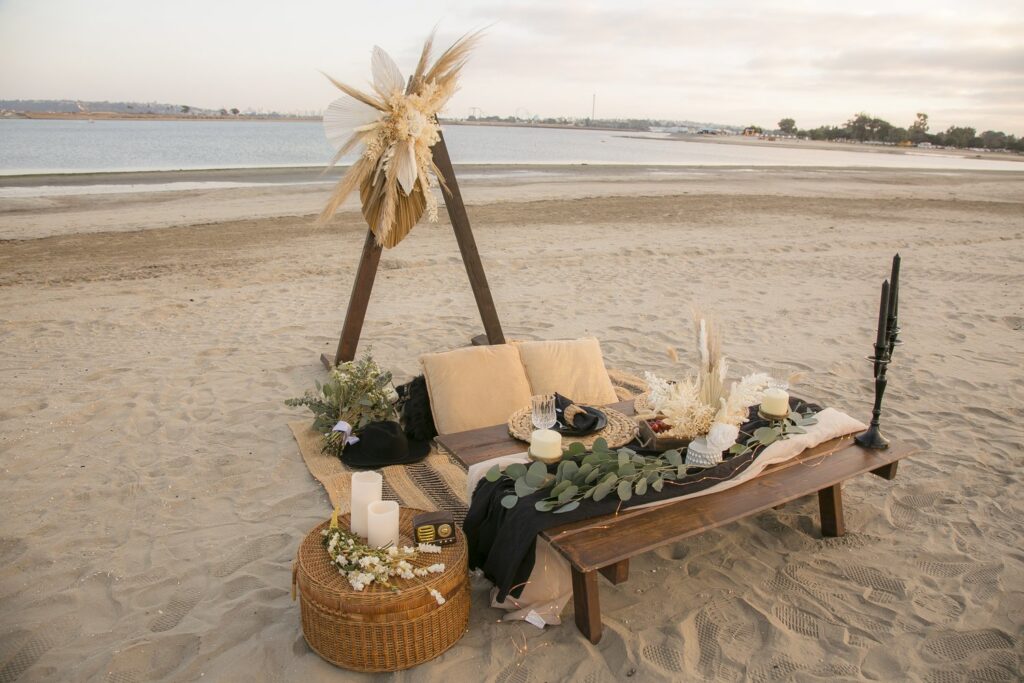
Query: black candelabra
{"x": 885, "y": 342}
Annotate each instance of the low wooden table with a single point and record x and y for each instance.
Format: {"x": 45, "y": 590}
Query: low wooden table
{"x": 605, "y": 544}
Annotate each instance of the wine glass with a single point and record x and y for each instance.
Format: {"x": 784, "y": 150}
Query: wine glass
{"x": 778, "y": 378}
{"x": 542, "y": 411}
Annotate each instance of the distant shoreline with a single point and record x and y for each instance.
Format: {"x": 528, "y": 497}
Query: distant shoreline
{"x": 793, "y": 143}
{"x": 121, "y": 116}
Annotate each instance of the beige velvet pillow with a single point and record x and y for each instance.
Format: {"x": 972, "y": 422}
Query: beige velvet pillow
{"x": 572, "y": 367}
{"x": 475, "y": 387}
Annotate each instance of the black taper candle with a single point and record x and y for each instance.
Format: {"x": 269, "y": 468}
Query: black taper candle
{"x": 883, "y": 318}
{"x": 894, "y": 287}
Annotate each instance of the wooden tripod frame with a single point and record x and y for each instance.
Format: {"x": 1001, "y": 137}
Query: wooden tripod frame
{"x": 368, "y": 262}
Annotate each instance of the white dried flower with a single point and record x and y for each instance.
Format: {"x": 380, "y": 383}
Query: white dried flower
{"x": 437, "y": 596}
{"x": 428, "y": 548}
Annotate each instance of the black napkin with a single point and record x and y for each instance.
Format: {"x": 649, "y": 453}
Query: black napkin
{"x": 583, "y": 423}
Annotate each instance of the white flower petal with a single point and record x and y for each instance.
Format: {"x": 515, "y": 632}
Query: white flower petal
{"x": 343, "y": 116}
{"x": 386, "y": 76}
{"x": 405, "y": 166}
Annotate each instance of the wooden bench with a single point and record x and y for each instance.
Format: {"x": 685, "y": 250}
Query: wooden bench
{"x": 605, "y": 544}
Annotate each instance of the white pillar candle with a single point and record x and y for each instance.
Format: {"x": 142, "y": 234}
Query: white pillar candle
{"x": 775, "y": 402}
{"x": 382, "y": 522}
{"x": 546, "y": 445}
{"x": 366, "y": 488}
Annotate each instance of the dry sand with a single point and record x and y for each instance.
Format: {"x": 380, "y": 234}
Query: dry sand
{"x": 154, "y": 498}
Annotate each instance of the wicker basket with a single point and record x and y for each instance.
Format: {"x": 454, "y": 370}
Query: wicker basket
{"x": 378, "y": 629}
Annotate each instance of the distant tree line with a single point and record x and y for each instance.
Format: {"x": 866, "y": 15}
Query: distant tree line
{"x": 866, "y": 128}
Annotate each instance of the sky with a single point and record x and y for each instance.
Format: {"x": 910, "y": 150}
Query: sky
{"x": 727, "y": 61}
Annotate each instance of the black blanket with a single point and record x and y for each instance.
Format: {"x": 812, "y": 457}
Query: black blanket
{"x": 503, "y": 541}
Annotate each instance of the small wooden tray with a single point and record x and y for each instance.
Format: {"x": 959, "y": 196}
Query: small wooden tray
{"x": 651, "y": 440}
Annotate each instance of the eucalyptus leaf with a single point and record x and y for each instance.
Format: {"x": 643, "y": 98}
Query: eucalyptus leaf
{"x": 536, "y": 474}
{"x": 737, "y": 448}
{"x": 640, "y": 488}
{"x": 763, "y": 433}
{"x": 568, "y": 507}
{"x": 544, "y": 505}
{"x": 493, "y": 474}
{"x": 523, "y": 487}
{"x": 601, "y": 491}
{"x": 639, "y": 460}
{"x": 673, "y": 457}
{"x": 568, "y": 494}
{"x": 627, "y": 470}
{"x": 681, "y": 471}
{"x": 576, "y": 449}
{"x": 624, "y": 490}
{"x": 658, "y": 484}
{"x": 795, "y": 430}
{"x": 559, "y": 487}
{"x": 509, "y": 501}
{"x": 515, "y": 470}
{"x": 623, "y": 459}
{"x": 569, "y": 469}
{"x": 600, "y": 445}
{"x": 592, "y": 476}
{"x": 589, "y": 493}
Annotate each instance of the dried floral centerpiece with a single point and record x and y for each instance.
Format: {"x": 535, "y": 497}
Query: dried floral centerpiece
{"x": 363, "y": 565}
{"x": 395, "y": 126}
{"x": 698, "y": 407}
{"x": 357, "y": 393}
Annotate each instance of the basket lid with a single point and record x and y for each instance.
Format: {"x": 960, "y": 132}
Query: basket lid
{"x": 318, "y": 579}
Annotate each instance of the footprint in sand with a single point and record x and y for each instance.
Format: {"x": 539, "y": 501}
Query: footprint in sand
{"x": 664, "y": 657}
{"x": 780, "y": 668}
{"x": 516, "y": 673}
{"x": 242, "y": 585}
{"x": 725, "y": 626}
{"x": 953, "y": 647}
{"x": 250, "y": 552}
{"x": 936, "y": 608}
{"x": 180, "y": 604}
{"x": 37, "y": 644}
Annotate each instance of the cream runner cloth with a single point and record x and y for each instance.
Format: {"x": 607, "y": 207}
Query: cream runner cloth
{"x": 550, "y": 584}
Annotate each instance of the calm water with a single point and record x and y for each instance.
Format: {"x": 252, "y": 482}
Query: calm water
{"x": 40, "y": 146}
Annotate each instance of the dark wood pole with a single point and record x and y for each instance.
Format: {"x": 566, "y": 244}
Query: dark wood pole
{"x": 357, "y": 303}
{"x": 370, "y": 260}
{"x": 467, "y": 245}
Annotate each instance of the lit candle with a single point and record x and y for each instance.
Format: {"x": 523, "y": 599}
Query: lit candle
{"x": 775, "y": 402}
{"x": 883, "y": 317}
{"x": 546, "y": 445}
{"x": 367, "y": 488}
{"x": 382, "y": 523}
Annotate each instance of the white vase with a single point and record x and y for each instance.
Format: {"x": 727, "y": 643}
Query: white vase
{"x": 699, "y": 455}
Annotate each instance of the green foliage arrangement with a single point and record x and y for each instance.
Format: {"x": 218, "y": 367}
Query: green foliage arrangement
{"x": 625, "y": 473}
{"x": 358, "y": 392}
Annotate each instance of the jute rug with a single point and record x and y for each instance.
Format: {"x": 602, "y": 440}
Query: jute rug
{"x": 438, "y": 482}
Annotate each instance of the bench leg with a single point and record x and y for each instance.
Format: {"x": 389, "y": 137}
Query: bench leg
{"x": 586, "y": 603}
{"x": 830, "y": 501}
{"x": 616, "y": 573}
{"x": 886, "y": 471}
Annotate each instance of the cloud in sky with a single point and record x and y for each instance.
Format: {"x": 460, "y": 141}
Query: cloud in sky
{"x": 729, "y": 61}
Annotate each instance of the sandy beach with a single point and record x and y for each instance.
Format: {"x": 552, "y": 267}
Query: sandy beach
{"x": 154, "y": 497}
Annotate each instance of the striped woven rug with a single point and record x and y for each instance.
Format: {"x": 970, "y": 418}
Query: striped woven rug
{"x": 438, "y": 482}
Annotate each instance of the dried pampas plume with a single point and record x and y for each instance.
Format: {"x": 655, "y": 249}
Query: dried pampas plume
{"x": 396, "y": 127}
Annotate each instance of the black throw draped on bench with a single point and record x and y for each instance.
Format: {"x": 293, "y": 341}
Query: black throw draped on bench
{"x": 503, "y": 542}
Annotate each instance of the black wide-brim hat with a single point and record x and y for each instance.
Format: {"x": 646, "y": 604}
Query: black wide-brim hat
{"x": 381, "y": 444}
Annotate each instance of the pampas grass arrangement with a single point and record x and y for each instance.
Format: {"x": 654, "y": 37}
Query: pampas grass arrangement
{"x": 396, "y": 127}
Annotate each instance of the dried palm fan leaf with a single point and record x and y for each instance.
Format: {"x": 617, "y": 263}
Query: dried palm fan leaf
{"x": 396, "y": 127}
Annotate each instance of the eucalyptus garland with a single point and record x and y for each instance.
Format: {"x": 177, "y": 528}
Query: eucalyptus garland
{"x": 625, "y": 473}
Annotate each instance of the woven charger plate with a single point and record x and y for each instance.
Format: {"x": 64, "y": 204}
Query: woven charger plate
{"x": 619, "y": 431}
